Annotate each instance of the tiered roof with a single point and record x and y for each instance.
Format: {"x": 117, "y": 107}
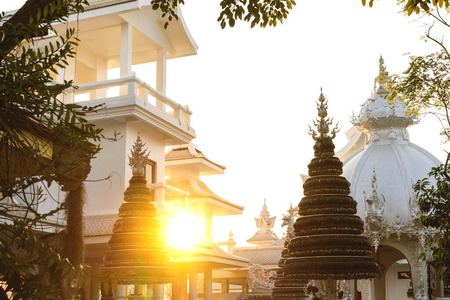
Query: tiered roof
{"x": 328, "y": 241}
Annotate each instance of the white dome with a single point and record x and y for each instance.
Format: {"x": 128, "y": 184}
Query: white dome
{"x": 397, "y": 165}
{"x": 389, "y": 164}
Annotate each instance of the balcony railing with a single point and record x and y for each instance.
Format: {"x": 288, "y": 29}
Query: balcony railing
{"x": 128, "y": 86}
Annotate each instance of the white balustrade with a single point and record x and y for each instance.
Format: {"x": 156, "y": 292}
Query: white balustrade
{"x": 134, "y": 87}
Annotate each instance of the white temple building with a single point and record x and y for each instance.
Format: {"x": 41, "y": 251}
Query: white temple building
{"x": 380, "y": 163}
{"x": 381, "y": 174}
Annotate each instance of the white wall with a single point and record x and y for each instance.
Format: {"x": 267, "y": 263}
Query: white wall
{"x": 105, "y": 197}
{"x": 396, "y": 288}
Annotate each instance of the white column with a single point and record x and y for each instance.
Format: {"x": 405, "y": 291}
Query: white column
{"x": 183, "y": 286}
{"x": 161, "y": 68}
{"x": 126, "y": 39}
{"x": 121, "y": 290}
{"x": 332, "y": 289}
{"x": 161, "y": 71}
{"x": 193, "y": 285}
{"x": 126, "y": 50}
{"x": 68, "y": 74}
{"x": 140, "y": 289}
{"x": 93, "y": 288}
{"x": 101, "y": 72}
{"x": 207, "y": 294}
{"x": 225, "y": 286}
{"x": 158, "y": 291}
{"x": 176, "y": 287}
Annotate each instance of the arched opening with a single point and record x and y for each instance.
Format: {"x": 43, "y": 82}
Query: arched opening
{"x": 395, "y": 274}
{"x": 398, "y": 281}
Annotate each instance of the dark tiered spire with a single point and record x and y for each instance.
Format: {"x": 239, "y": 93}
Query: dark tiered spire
{"x": 136, "y": 249}
{"x": 327, "y": 241}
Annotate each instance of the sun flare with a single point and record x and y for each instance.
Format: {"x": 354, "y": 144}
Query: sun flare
{"x": 183, "y": 231}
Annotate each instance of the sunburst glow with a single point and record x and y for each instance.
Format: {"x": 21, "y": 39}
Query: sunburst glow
{"x": 183, "y": 231}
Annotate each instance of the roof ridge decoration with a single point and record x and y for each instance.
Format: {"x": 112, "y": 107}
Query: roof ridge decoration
{"x": 328, "y": 241}
{"x": 264, "y": 223}
{"x": 375, "y": 208}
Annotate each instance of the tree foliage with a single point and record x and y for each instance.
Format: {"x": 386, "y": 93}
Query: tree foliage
{"x": 424, "y": 87}
{"x": 416, "y": 6}
{"x": 32, "y": 267}
{"x": 42, "y": 140}
{"x": 434, "y": 202}
{"x": 256, "y": 12}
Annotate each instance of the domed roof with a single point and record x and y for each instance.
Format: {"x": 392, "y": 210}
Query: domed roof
{"x": 389, "y": 164}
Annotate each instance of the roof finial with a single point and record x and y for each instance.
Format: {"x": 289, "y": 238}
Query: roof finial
{"x": 264, "y": 209}
{"x": 382, "y": 67}
{"x": 322, "y": 132}
{"x": 383, "y": 75}
{"x": 139, "y": 157}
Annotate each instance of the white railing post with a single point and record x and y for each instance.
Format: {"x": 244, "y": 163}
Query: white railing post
{"x": 133, "y": 87}
{"x": 143, "y": 93}
{"x": 177, "y": 112}
{"x": 69, "y": 96}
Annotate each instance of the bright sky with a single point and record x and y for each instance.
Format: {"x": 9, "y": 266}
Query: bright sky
{"x": 253, "y": 93}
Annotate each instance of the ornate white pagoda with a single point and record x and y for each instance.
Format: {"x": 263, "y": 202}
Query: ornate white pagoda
{"x": 381, "y": 175}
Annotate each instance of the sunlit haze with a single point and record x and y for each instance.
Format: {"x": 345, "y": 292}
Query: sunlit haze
{"x": 253, "y": 93}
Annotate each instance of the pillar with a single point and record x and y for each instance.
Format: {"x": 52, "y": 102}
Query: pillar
{"x": 176, "y": 289}
{"x": 120, "y": 291}
{"x": 140, "y": 289}
{"x": 93, "y": 288}
{"x": 161, "y": 71}
{"x": 101, "y": 73}
{"x": 379, "y": 286}
{"x": 158, "y": 291}
{"x": 183, "y": 286}
{"x": 126, "y": 52}
{"x": 126, "y": 49}
{"x": 225, "y": 287}
{"x": 245, "y": 286}
{"x": 207, "y": 294}
{"x": 193, "y": 285}
{"x": 67, "y": 73}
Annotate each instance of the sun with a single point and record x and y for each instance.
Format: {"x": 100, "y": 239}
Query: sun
{"x": 183, "y": 231}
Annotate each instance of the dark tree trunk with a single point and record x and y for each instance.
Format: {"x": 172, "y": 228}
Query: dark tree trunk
{"x": 74, "y": 244}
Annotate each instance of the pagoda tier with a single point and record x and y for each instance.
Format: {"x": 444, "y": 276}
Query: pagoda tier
{"x": 327, "y": 242}
{"x": 136, "y": 249}
{"x": 288, "y": 288}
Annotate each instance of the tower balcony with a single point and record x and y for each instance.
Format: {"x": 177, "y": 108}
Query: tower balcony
{"x": 131, "y": 99}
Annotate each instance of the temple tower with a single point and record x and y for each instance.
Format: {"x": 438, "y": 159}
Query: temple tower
{"x": 136, "y": 249}
{"x": 328, "y": 243}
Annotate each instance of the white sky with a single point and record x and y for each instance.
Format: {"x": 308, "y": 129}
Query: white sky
{"x": 253, "y": 93}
